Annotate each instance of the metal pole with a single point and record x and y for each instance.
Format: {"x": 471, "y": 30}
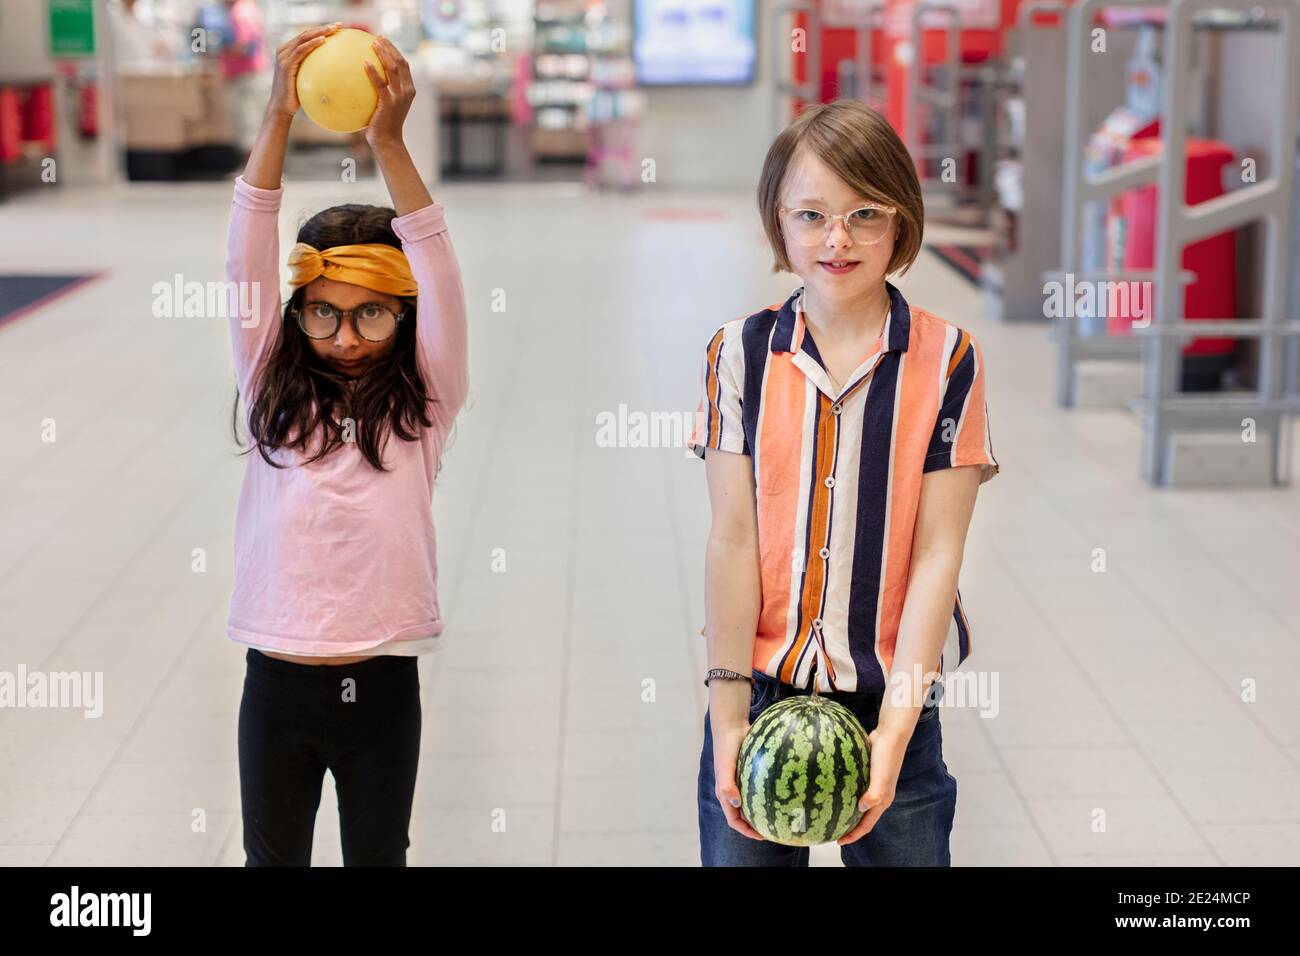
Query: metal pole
{"x": 1080, "y": 18}
{"x": 810, "y": 89}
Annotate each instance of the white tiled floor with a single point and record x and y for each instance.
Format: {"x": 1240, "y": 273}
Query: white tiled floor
{"x": 1120, "y": 692}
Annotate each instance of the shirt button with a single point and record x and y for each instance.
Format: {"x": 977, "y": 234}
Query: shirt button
{"x": 830, "y": 482}
{"x": 825, "y": 553}
{"x": 837, "y": 408}
{"x": 817, "y": 624}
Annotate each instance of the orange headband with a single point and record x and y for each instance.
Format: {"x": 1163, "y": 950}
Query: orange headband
{"x": 371, "y": 265}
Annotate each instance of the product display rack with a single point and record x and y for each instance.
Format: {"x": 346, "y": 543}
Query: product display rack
{"x": 943, "y": 94}
{"x": 614, "y": 108}
{"x": 788, "y": 90}
{"x": 1167, "y": 414}
{"x": 561, "y": 87}
{"x": 1039, "y": 47}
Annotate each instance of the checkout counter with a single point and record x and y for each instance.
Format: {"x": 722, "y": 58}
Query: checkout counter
{"x": 177, "y": 125}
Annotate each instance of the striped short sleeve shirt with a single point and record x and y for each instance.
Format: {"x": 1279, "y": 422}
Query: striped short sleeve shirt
{"x": 838, "y": 478}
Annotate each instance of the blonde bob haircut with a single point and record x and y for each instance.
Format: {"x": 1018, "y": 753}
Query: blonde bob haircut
{"x": 862, "y": 149}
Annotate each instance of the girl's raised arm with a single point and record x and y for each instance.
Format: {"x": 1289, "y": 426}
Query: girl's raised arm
{"x": 441, "y": 331}
{"x": 266, "y": 161}
{"x": 253, "y": 239}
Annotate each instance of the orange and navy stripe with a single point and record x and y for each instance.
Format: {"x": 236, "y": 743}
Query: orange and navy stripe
{"x": 838, "y": 477}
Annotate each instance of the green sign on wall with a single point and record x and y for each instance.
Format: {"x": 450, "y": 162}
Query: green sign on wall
{"x": 72, "y": 27}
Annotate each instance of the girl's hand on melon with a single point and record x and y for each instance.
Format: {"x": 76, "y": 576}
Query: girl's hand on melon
{"x": 289, "y": 56}
{"x": 726, "y": 749}
{"x": 887, "y": 752}
{"x": 396, "y": 92}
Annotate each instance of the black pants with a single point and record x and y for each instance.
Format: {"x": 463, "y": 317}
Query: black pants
{"x": 359, "y": 721}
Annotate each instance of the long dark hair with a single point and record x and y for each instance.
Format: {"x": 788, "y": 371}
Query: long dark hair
{"x": 297, "y": 397}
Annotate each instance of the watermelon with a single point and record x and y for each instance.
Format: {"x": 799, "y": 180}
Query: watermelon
{"x": 801, "y": 771}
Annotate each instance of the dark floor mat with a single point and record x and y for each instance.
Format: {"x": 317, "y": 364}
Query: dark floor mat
{"x": 20, "y": 294}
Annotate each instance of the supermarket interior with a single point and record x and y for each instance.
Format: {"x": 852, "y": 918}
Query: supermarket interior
{"x": 1112, "y": 211}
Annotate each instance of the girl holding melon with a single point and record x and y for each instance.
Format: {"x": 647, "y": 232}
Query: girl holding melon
{"x": 846, "y": 435}
{"x": 349, "y": 392}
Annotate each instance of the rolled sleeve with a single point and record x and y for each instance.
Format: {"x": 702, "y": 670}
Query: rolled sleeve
{"x": 961, "y": 430}
{"x": 422, "y": 224}
{"x": 718, "y": 421}
{"x": 257, "y": 197}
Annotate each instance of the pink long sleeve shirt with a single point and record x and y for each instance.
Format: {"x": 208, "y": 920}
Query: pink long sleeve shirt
{"x": 334, "y": 557}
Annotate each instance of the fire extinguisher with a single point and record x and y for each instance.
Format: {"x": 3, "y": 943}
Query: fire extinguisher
{"x": 88, "y": 110}
{"x": 83, "y": 96}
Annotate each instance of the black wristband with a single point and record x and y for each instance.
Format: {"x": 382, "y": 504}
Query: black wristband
{"x": 725, "y": 674}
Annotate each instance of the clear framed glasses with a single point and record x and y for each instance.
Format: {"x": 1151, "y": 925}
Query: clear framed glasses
{"x": 865, "y": 225}
{"x": 373, "y": 321}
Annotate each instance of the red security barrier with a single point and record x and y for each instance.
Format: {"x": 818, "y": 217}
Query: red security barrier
{"x": 11, "y": 125}
{"x": 1213, "y": 260}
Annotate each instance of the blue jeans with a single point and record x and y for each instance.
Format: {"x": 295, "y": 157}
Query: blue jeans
{"x": 913, "y": 831}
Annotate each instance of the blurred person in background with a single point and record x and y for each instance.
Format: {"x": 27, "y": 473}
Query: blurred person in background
{"x": 214, "y": 20}
{"x": 361, "y": 15}
{"x": 244, "y": 68}
{"x": 138, "y": 46}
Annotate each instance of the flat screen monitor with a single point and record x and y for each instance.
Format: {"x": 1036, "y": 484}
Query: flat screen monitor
{"x": 694, "y": 42}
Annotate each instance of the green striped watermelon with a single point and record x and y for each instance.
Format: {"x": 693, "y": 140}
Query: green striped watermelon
{"x": 802, "y": 768}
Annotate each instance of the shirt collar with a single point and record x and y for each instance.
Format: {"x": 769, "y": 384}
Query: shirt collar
{"x": 788, "y": 335}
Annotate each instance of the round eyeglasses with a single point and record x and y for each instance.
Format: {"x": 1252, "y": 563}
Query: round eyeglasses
{"x": 865, "y": 225}
{"x": 373, "y": 321}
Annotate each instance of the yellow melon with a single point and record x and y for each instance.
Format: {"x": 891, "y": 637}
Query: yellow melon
{"x": 333, "y": 87}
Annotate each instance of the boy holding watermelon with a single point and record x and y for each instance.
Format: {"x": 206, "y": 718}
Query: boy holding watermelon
{"x": 846, "y": 435}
